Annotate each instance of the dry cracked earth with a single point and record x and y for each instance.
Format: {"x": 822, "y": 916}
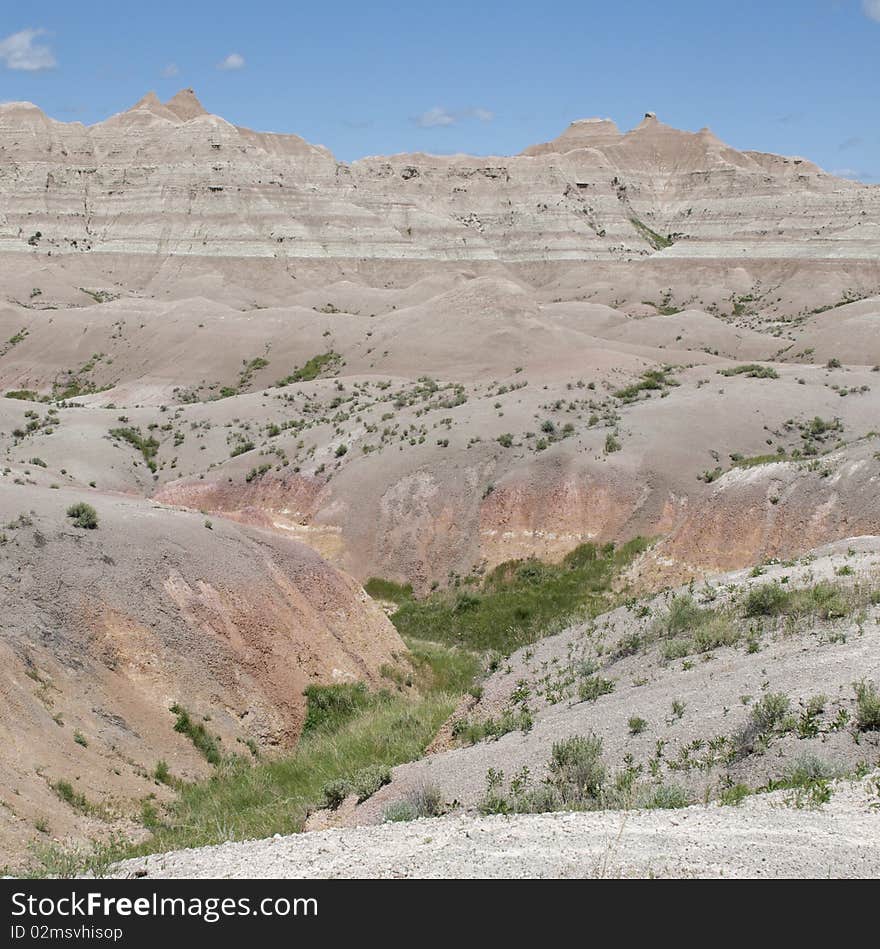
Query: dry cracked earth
{"x": 275, "y": 375}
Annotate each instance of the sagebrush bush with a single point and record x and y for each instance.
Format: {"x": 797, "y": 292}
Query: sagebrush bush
{"x": 426, "y": 800}
{"x": 867, "y": 706}
{"x": 84, "y": 515}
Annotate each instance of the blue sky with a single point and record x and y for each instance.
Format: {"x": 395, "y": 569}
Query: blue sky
{"x": 791, "y": 76}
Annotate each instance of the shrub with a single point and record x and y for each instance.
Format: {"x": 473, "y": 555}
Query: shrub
{"x": 84, "y": 515}
{"x": 734, "y": 795}
{"x": 576, "y": 771}
{"x": 426, "y": 800}
{"x": 593, "y": 686}
{"x": 368, "y": 780}
{"x": 807, "y": 769}
{"x": 636, "y": 725}
{"x": 611, "y": 444}
{"x": 767, "y": 716}
{"x": 752, "y": 370}
{"x": 335, "y": 792}
{"x": 867, "y": 706}
{"x": 667, "y": 796}
{"x": 399, "y": 812}
{"x": 770, "y": 711}
{"x": 769, "y": 599}
{"x": 688, "y": 629}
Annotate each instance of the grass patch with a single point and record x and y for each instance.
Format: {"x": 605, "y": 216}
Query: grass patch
{"x": 827, "y": 601}
{"x": 147, "y": 446}
{"x": 519, "y": 601}
{"x": 753, "y": 370}
{"x": 657, "y": 241}
{"x": 444, "y": 669}
{"x": 654, "y": 380}
{"x": 245, "y": 800}
{"x": 329, "y": 707}
{"x": 388, "y": 590}
{"x": 197, "y": 734}
{"x": 687, "y": 629}
{"x": 319, "y": 365}
{"x": 78, "y": 801}
{"x": 424, "y": 801}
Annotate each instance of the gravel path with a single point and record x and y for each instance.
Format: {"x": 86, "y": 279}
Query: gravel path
{"x": 765, "y": 836}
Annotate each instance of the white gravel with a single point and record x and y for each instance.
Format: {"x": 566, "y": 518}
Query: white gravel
{"x": 765, "y": 836}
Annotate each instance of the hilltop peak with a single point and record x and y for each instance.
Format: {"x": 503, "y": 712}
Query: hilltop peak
{"x": 186, "y": 105}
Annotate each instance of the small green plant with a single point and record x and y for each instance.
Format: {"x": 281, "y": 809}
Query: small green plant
{"x": 637, "y": 725}
{"x": 423, "y": 801}
{"x": 734, "y": 795}
{"x": 667, "y": 796}
{"x": 146, "y": 445}
{"x": 335, "y": 792}
{"x": 197, "y": 734}
{"x": 78, "y": 801}
{"x": 84, "y": 515}
{"x": 769, "y": 599}
{"x": 331, "y": 706}
{"x": 611, "y": 444}
{"x": 867, "y": 706}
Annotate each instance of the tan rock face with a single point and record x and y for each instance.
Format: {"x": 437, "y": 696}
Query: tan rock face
{"x": 172, "y": 179}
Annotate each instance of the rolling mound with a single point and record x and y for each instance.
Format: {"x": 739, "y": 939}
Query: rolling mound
{"x": 104, "y": 630}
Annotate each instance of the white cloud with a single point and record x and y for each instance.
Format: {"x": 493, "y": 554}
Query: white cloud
{"x": 170, "y": 71}
{"x": 872, "y": 9}
{"x": 438, "y": 117}
{"x": 232, "y": 61}
{"x": 434, "y": 118}
{"x": 19, "y": 51}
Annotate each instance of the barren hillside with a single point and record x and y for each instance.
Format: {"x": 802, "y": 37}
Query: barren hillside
{"x": 275, "y": 375}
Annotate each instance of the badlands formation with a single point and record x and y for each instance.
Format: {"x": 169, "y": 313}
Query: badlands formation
{"x": 275, "y": 375}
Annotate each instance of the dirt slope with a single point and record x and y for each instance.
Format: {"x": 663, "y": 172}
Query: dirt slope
{"x": 104, "y": 630}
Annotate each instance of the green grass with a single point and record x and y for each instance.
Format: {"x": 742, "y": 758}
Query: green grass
{"x": 657, "y": 241}
{"x": 351, "y": 740}
{"x": 329, "y": 707}
{"x": 197, "y": 734}
{"x": 653, "y": 380}
{"x": 753, "y": 370}
{"x": 444, "y": 669}
{"x": 246, "y": 800}
{"x": 388, "y": 590}
{"x": 311, "y": 370}
{"x": 824, "y": 600}
{"x": 519, "y": 601}
{"x": 147, "y": 446}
